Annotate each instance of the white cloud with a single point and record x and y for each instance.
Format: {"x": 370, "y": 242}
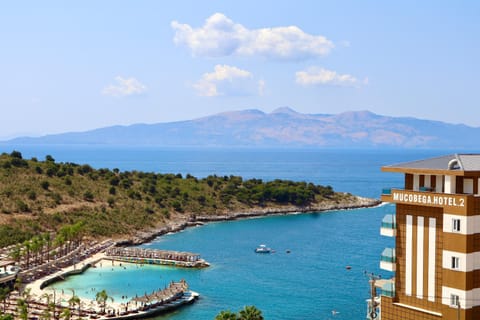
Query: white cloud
{"x": 220, "y": 36}
{"x": 227, "y": 80}
{"x": 124, "y": 87}
{"x": 321, "y": 76}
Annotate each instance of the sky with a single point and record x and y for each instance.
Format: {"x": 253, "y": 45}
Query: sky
{"x": 79, "y": 65}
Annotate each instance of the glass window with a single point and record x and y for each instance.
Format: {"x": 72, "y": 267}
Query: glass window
{"x": 456, "y": 225}
{"x": 454, "y": 300}
{"x": 455, "y": 262}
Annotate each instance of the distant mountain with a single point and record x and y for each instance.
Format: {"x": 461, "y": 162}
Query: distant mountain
{"x": 283, "y": 127}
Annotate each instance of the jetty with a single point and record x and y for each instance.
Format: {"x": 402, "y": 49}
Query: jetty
{"x": 155, "y": 256}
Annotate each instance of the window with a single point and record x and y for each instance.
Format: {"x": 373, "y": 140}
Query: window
{"x": 456, "y": 225}
{"x": 454, "y": 300}
{"x": 455, "y": 262}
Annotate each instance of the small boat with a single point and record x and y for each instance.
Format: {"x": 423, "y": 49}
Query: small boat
{"x": 263, "y": 249}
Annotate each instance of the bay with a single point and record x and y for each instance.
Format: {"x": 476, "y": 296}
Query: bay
{"x": 307, "y": 283}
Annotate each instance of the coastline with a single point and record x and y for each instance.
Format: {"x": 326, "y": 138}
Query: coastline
{"x": 116, "y": 310}
{"x": 181, "y": 223}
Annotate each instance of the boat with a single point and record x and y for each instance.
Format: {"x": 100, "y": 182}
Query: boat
{"x": 263, "y": 249}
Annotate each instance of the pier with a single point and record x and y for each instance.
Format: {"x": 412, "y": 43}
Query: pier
{"x": 155, "y": 256}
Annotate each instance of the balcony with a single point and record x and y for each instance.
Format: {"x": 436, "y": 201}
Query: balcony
{"x": 388, "y": 289}
{"x": 388, "y": 260}
{"x": 389, "y": 226}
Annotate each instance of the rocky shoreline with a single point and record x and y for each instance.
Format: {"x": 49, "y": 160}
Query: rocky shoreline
{"x": 176, "y": 226}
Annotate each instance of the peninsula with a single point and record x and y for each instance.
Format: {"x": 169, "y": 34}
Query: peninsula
{"x": 44, "y": 196}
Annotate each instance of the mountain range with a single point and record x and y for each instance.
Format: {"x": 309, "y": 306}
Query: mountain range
{"x": 283, "y": 127}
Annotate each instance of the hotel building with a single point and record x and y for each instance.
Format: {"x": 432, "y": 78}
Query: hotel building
{"x": 436, "y": 225}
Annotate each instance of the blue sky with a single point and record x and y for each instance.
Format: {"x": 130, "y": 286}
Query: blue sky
{"x": 75, "y": 66}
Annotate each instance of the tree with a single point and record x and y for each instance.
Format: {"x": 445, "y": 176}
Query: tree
{"x": 45, "y": 184}
{"x": 74, "y": 300}
{"x": 66, "y": 314}
{"x": 88, "y": 195}
{"x": 47, "y": 313}
{"x": 18, "y": 284}
{"x": 16, "y": 154}
{"x": 36, "y": 247}
{"x": 101, "y": 297}
{"x": 4, "y": 292}
{"x": 226, "y": 315}
{"x": 22, "y": 309}
{"x": 250, "y": 313}
{"x": 247, "y": 313}
{"x": 27, "y": 247}
{"x": 48, "y": 242}
{"x": 60, "y": 242}
{"x": 16, "y": 253}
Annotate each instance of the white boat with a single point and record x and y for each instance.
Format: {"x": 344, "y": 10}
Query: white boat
{"x": 263, "y": 249}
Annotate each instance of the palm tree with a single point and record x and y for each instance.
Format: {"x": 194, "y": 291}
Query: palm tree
{"x": 101, "y": 298}
{"x": 4, "y": 292}
{"x": 74, "y": 300}
{"x": 66, "y": 314}
{"x": 77, "y": 232}
{"x": 226, "y": 315}
{"x": 27, "y": 247}
{"x": 16, "y": 253}
{"x": 250, "y": 313}
{"x": 48, "y": 241}
{"x": 47, "y": 313}
{"x": 22, "y": 309}
{"x": 35, "y": 247}
{"x": 41, "y": 243}
{"x": 60, "y": 242}
{"x": 18, "y": 283}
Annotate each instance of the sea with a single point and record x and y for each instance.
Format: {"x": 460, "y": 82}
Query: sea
{"x": 307, "y": 276}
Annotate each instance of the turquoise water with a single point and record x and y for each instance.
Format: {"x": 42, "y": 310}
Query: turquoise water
{"x": 307, "y": 283}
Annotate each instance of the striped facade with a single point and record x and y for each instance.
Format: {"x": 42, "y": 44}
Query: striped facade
{"x": 437, "y": 241}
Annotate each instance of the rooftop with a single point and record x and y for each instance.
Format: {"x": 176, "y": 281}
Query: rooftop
{"x": 455, "y": 164}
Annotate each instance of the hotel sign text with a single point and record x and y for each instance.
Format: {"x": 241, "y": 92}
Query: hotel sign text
{"x": 428, "y": 199}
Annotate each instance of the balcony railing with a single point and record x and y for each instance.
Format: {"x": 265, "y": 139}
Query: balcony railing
{"x": 388, "y": 255}
{"x": 388, "y": 289}
{"x": 389, "y": 221}
{"x": 389, "y": 226}
{"x": 388, "y": 260}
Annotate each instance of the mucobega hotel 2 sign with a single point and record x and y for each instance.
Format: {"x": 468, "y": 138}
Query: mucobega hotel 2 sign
{"x": 428, "y": 199}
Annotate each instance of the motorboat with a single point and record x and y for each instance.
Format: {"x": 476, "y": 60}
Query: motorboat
{"x": 263, "y": 249}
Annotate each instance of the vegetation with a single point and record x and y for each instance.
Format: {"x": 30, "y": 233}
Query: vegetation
{"x": 42, "y": 197}
{"x": 247, "y": 313}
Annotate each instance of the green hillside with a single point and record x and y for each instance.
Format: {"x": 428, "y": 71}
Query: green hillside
{"x": 42, "y": 196}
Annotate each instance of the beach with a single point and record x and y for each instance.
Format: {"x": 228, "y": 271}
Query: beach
{"x": 39, "y": 292}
